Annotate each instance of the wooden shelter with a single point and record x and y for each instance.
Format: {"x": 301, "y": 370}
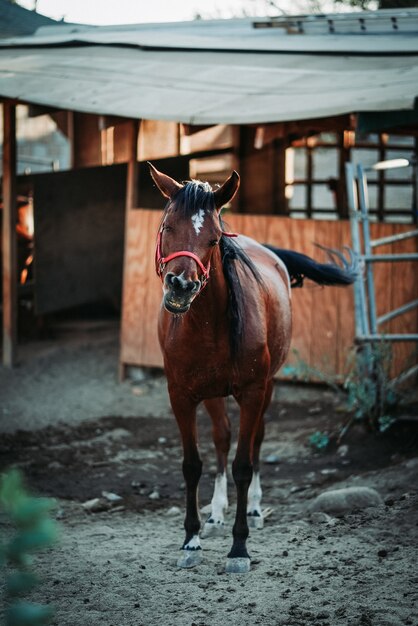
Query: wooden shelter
{"x": 200, "y": 98}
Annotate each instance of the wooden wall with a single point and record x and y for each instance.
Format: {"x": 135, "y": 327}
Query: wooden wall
{"x": 79, "y": 231}
{"x": 323, "y": 327}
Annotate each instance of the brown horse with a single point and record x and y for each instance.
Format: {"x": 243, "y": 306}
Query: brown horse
{"x": 224, "y": 329}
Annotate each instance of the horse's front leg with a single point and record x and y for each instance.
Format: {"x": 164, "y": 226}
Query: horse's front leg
{"x": 251, "y": 403}
{"x": 221, "y": 431}
{"x": 185, "y": 412}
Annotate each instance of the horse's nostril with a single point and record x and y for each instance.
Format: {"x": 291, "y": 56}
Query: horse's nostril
{"x": 180, "y": 285}
{"x": 169, "y": 279}
{"x": 193, "y": 286}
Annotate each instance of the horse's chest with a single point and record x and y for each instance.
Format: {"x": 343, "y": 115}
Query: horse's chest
{"x": 202, "y": 368}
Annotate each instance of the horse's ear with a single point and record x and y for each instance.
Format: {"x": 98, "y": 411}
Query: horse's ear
{"x": 167, "y": 185}
{"x": 225, "y": 194}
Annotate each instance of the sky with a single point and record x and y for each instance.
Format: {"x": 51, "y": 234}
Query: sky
{"x": 135, "y": 11}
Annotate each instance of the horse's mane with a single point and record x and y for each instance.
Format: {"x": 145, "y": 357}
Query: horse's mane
{"x": 232, "y": 253}
{"x": 196, "y": 194}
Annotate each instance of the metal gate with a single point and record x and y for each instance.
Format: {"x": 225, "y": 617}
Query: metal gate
{"x": 367, "y": 322}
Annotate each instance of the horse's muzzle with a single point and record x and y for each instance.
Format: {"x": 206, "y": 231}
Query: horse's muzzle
{"x": 179, "y": 293}
{"x": 175, "y": 307}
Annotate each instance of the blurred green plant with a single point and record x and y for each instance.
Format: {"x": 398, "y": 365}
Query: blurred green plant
{"x": 319, "y": 440}
{"x": 32, "y": 529}
{"x": 367, "y": 392}
{"x": 371, "y": 395}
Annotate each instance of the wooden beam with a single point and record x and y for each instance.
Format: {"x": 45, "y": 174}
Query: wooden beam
{"x": 71, "y": 138}
{"x": 280, "y": 204}
{"x": 133, "y": 168}
{"x": 9, "y": 236}
{"x": 132, "y": 178}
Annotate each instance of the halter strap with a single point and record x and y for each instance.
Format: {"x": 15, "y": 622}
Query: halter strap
{"x": 161, "y": 262}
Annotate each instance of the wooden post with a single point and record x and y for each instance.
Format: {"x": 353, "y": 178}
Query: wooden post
{"x": 71, "y": 137}
{"x": 131, "y": 202}
{"x": 133, "y": 169}
{"x": 279, "y": 201}
{"x": 309, "y": 178}
{"x": 9, "y": 236}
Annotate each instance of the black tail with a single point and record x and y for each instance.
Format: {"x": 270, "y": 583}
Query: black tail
{"x": 301, "y": 266}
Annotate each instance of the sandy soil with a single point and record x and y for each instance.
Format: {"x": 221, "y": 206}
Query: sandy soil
{"x": 76, "y": 432}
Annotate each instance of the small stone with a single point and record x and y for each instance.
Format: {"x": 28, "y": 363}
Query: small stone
{"x": 322, "y": 518}
{"x": 314, "y": 410}
{"x": 342, "y": 451}
{"x": 136, "y": 374}
{"x": 154, "y": 495}
{"x": 382, "y": 553}
{"x": 138, "y": 391}
{"x": 111, "y": 497}
{"x": 174, "y": 510}
{"x": 96, "y": 505}
{"x": 285, "y": 553}
{"x": 412, "y": 463}
{"x": 389, "y": 502}
{"x": 55, "y": 465}
{"x": 162, "y": 439}
{"x": 272, "y": 459}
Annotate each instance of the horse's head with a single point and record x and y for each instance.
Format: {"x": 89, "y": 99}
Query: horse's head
{"x": 189, "y": 233}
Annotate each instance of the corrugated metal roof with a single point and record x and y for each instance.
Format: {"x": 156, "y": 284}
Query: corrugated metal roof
{"x": 211, "y": 72}
{"x": 15, "y": 20}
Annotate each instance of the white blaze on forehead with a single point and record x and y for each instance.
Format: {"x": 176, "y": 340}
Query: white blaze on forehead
{"x": 197, "y": 220}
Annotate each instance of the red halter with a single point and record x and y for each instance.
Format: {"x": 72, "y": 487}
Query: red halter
{"x": 161, "y": 262}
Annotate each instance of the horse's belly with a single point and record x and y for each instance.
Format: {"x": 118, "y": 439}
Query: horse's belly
{"x": 202, "y": 382}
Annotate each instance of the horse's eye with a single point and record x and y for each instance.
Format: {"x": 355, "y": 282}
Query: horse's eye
{"x": 168, "y": 229}
{"x": 214, "y": 242}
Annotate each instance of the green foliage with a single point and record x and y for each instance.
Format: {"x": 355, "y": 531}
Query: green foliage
{"x": 370, "y": 394}
{"x": 33, "y": 530}
{"x": 319, "y": 440}
{"x": 28, "y": 614}
{"x": 367, "y": 391}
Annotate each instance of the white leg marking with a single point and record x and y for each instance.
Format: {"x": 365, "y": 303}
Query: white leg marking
{"x": 220, "y": 499}
{"x": 191, "y": 554}
{"x": 197, "y": 220}
{"x": 193, "y": 544}
{"x": 214, "y": 525}
{"x": 254, "y": 496}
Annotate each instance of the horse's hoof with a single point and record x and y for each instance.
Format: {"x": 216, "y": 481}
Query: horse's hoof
{"x": 238, "y": 565}
{"x": 213, "y": 529}
{"x": 255, "y": 521}
{"x": 189, "y": 558}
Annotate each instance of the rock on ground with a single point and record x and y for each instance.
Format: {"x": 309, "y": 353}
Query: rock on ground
{"x": 341, "y": 501}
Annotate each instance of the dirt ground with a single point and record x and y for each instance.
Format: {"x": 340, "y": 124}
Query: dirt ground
{"x": 76, "y": 432}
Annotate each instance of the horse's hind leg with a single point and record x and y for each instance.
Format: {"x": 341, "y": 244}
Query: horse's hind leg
{"x": 254, "y": 512}
{"x": 185, "y": 412}
{"x": 221, "y": 431}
